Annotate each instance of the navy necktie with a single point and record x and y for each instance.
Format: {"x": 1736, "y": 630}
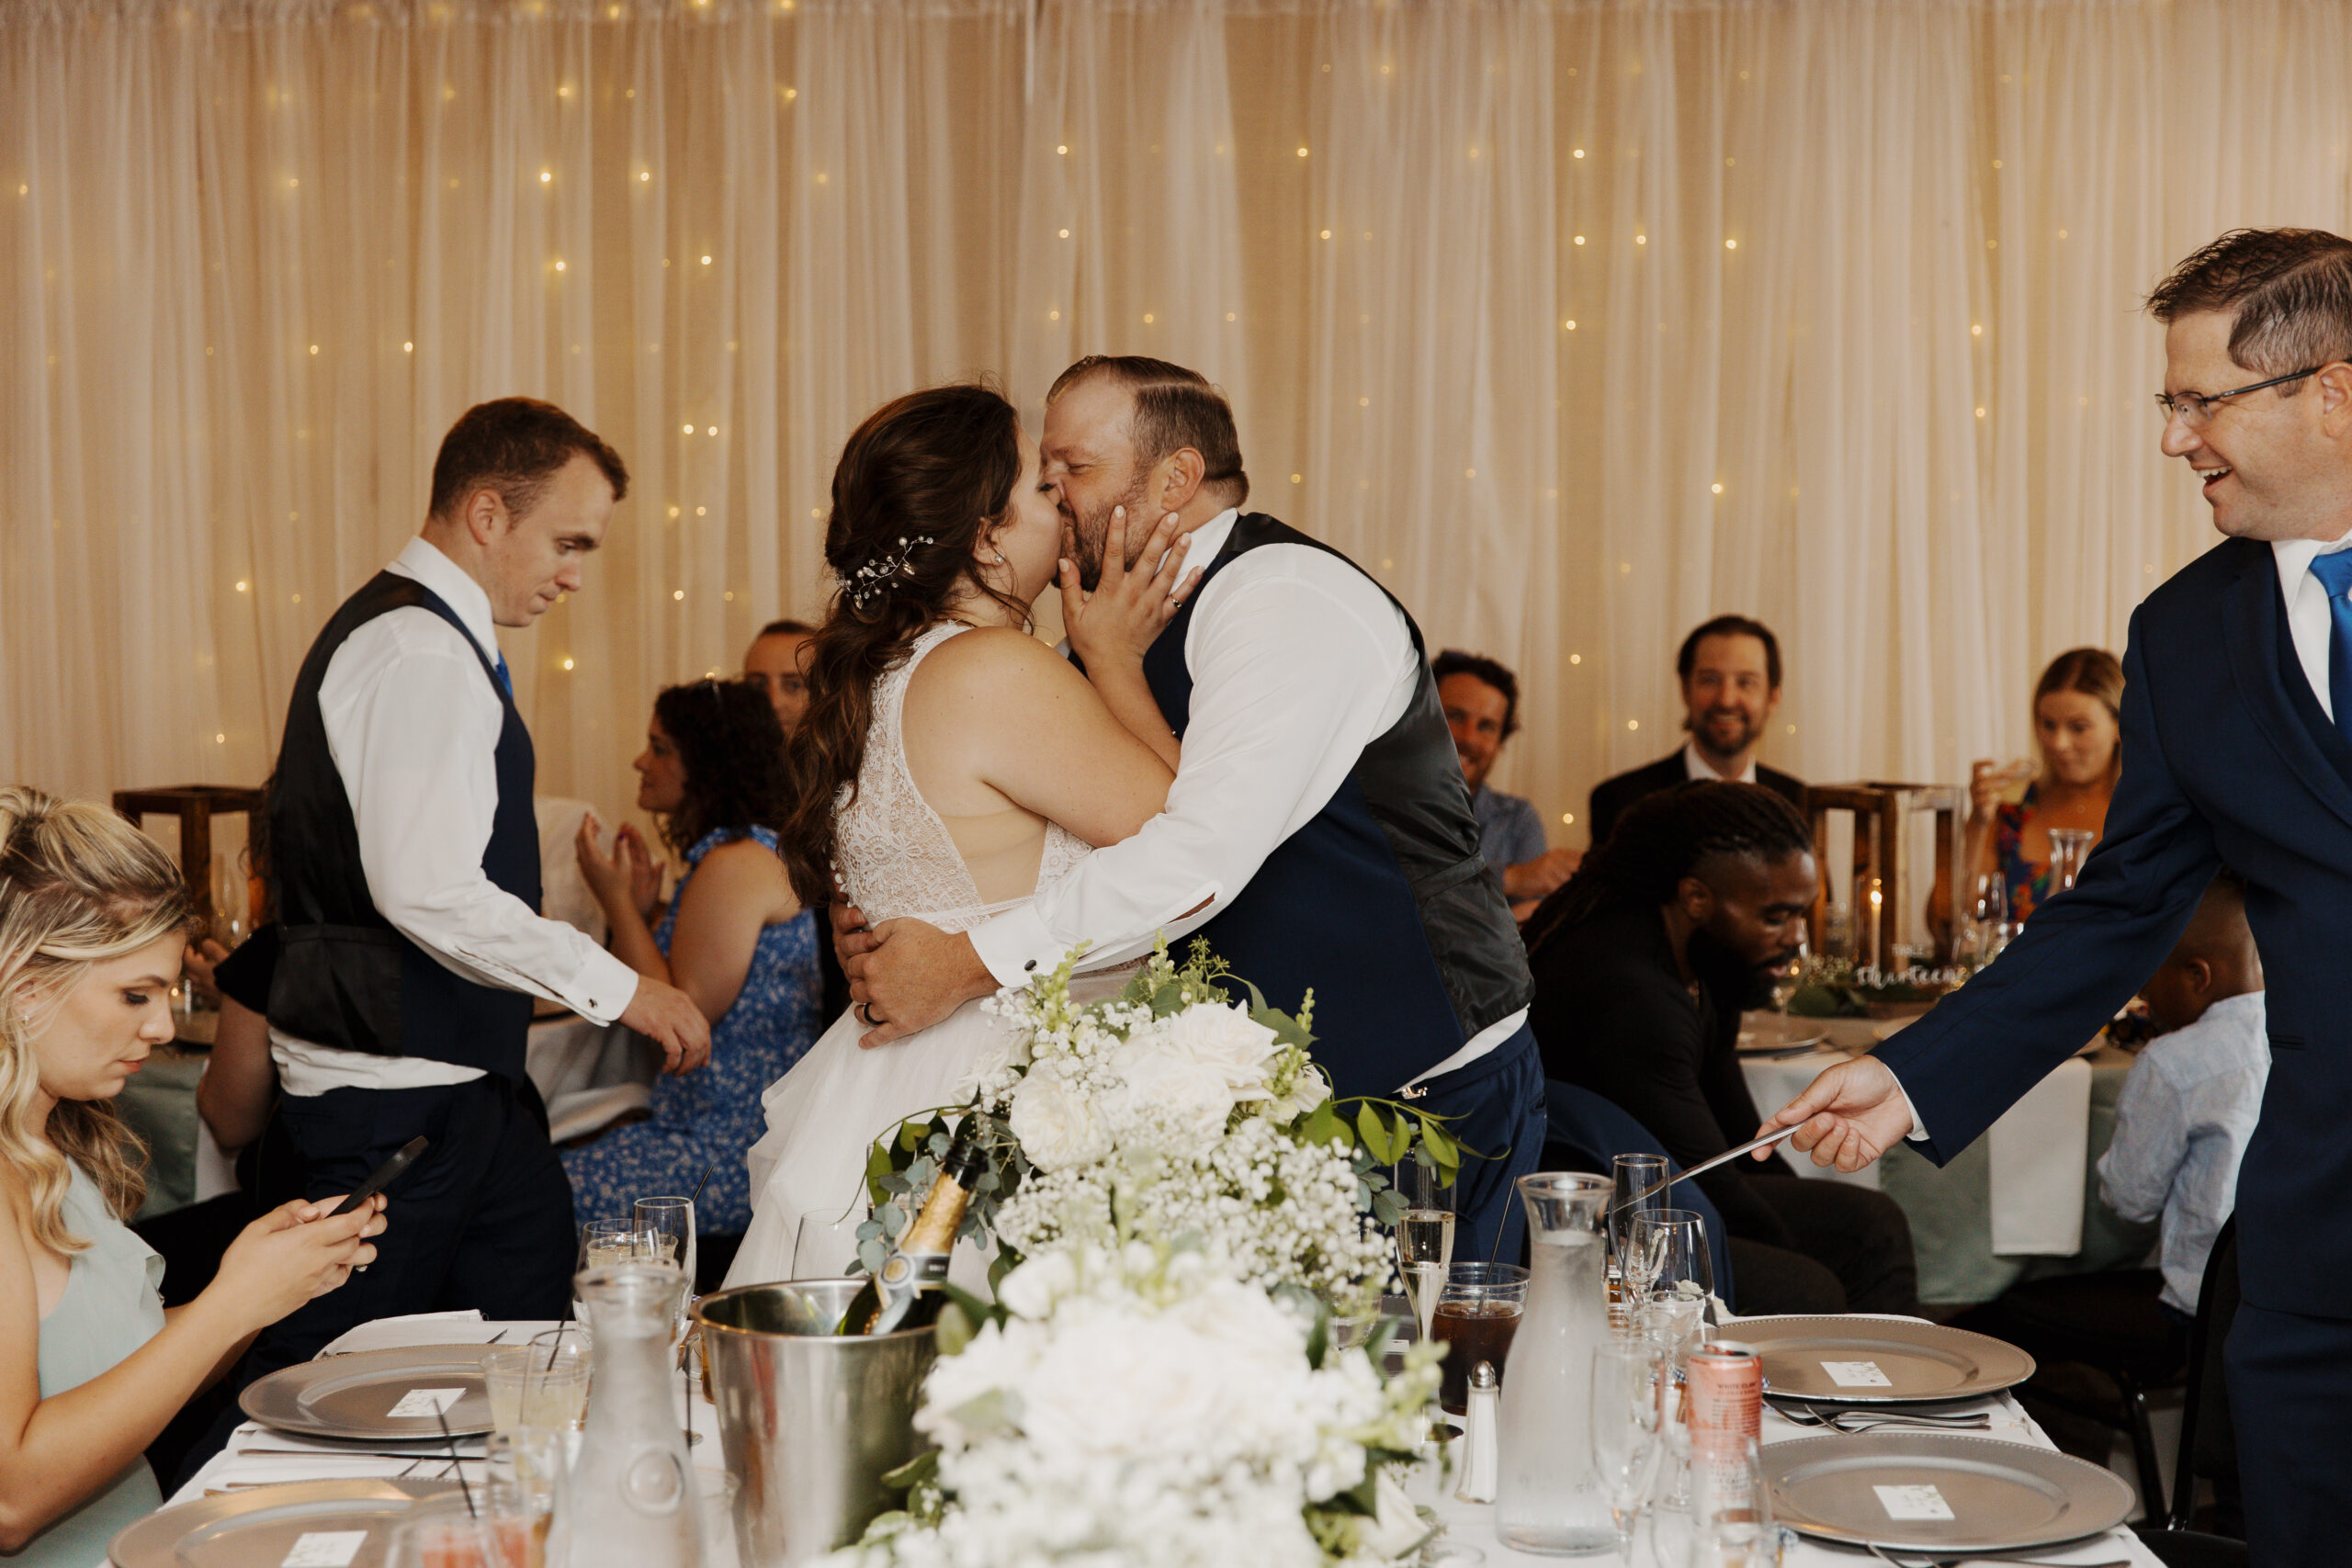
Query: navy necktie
{"x": 2334, "y": 572}
{"x": 505, "y": 681}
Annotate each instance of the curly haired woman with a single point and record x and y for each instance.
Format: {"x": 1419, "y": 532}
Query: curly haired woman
{"x": 734, "y": 938}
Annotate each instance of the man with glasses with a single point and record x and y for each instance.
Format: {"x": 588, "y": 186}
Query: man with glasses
{"x": 2237, "y": 748}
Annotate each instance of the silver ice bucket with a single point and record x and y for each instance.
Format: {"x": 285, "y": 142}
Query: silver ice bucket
{"x": 811, "y": 1421}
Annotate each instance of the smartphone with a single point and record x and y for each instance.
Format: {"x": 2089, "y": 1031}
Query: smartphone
{"x": 385, "y": 1174}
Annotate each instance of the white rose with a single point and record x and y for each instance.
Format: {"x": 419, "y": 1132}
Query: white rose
{"x": 1057, "y": 1128}
{"x": 1167, "y": 1100}
{"x": 1031, "y": 1289}
{"x": 1226, "y": 1040}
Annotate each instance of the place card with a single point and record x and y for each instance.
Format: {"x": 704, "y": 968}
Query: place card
{"x": 1857, "y": 1374}
{"x": 325, "y": 1549}
{"x": 1913, "y": 1502}
{"x": 426, "y": 1402}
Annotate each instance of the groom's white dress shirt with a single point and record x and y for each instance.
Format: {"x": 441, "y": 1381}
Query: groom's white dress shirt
{"x": 1298, "y": 662}
{"x": 413, "y": 728}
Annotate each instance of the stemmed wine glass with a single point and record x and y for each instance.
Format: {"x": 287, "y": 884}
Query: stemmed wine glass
{"x": 668, "y": 1223}
{"x": 2069, "y": 848}
{"x": 1424, "y": 1235}
{"x": 1629, "y": 1386}
{"x": 1637, "y": 1188}
{"x": 824, "y": 1245}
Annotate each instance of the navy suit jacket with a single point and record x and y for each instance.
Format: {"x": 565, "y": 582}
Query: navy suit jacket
{"x": 2228, "y": 758}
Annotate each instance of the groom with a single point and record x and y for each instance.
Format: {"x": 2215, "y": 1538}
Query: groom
{"x": 1317, "y": 833}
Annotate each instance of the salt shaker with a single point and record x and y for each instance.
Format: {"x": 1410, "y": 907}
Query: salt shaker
{"x": 1478, "y": 1442}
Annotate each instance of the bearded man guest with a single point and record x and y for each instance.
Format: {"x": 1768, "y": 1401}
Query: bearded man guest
{"x": 404, "y": 869}
{"x": 1318, "y": 832}
{"x": 1643, "y": 964}
{"x": 1480, "y": 696}
{"x": 1730, "y": 672}
{"x": 2237, "y": 699}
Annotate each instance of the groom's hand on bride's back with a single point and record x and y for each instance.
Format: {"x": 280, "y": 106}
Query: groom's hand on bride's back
{"x": 909, "y": 975}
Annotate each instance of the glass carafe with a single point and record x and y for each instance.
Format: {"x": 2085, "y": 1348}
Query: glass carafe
{"x": 1549, "y": 1499}
{"x": 630, "y": 1498}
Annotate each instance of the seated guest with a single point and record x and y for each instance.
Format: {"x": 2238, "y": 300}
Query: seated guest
{"x": 733, "y": 938}
{"x": 92, "y": 920}
{"x": 774, "y": 663}
{"x": 1481, "y": 701}
{"x": 1643, "y": 964}
{"x": 2190, "y": 1102}
{"x": 2077, "y": 707}
{"x": 1730, "y": 670}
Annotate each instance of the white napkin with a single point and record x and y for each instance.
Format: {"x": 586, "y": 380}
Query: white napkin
{"x": 2039, "y": 1150}
{"x": 417, "y": 1328}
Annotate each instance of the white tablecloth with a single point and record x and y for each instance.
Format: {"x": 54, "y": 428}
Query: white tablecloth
{"x": 253, "y": 1458}
{"x": 2039, "y": 1147}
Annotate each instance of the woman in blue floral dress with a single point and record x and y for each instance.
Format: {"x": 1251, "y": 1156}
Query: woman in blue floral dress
{"x": 733, "y": 938}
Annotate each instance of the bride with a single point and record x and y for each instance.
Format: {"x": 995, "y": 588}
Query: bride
{"x": 950, "y": 764}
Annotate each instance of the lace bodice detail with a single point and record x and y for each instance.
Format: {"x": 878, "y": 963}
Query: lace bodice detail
{"x": 894, "y": 853}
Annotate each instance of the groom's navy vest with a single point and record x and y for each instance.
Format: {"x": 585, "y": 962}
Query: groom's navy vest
{"x": 1381, "y": 902}
{"x": 346, "y": 978}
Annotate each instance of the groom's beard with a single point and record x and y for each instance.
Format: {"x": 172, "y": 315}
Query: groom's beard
{"x": 1093, "y": 532}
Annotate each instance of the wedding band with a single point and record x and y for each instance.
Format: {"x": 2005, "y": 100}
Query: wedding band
{"x": 867, "y": 1014}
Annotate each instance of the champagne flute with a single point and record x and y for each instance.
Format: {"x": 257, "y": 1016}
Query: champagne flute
{"x": 668, "y": 1224}
{"x": 1628, "y": 1377}
{"x": 1424, "y": 1236}
{"x": 1638, "y": 1183}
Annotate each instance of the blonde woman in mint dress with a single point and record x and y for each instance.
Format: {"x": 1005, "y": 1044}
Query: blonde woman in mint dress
{"x": 93, "y": 921}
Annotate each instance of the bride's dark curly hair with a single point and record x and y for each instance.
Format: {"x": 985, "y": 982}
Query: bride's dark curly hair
{"x": 922, "y": 482}
{"x": 731, "y": 750}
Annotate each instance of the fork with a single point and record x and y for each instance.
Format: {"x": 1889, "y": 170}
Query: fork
{"x": 1852, "y": 1421}
{"x": 1953, "y": 1560}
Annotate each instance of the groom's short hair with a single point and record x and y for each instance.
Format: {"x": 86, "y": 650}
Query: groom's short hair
{"x": 1175, "y": 408}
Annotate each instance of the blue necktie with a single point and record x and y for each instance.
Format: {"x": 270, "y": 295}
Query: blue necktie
{"x": 506, "y": 681}
{"x": 2334, "y": 572}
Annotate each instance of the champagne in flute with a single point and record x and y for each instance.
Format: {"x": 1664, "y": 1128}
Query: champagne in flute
{"x": 604, "y": 1242}
{"x": 1424, "y": 1236}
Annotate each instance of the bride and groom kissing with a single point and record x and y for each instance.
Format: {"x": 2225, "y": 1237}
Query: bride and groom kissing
{"x": 1246, "y": 743}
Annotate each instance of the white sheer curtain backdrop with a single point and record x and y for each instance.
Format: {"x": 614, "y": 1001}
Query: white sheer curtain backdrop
{"x": 1574, "y": 322}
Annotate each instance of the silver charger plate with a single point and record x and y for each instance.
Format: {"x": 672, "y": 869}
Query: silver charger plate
{"x": 1878, "y": 1360}
{"x": 1773, "y": 1034}
{"x": 353, "y": 1396}
{"x": 264, "y": 1524}
{"x": 1895, "y": 1489}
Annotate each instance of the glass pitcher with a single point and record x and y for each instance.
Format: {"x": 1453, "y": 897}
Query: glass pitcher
{"x": 1549, "y": 1500}
{"x": 631, "y": 1498}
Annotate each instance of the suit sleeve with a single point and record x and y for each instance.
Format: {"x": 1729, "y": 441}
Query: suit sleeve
{"x": 2081, "y": 956}
{"x": 1601, "y": 812}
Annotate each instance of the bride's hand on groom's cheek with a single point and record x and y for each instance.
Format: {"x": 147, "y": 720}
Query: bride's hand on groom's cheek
{"x": 1130, "y": 608}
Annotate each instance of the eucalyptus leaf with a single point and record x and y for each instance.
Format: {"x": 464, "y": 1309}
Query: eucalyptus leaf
{"x": 1388, "y": 1208}
{"x": 954, "y": 1330}
{"x": 924, "y": 1467}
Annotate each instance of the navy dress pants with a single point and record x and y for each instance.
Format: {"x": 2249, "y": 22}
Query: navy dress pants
{"x": 2290, "y": 1384}
{"x": 1494, "y": 1105}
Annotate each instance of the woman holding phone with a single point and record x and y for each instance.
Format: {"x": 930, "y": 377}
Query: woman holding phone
{"x": 93, "y": 918}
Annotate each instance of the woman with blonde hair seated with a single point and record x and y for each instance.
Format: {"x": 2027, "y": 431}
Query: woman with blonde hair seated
{"x": 2078, "y": 708}
{"x": 92, "y": 920}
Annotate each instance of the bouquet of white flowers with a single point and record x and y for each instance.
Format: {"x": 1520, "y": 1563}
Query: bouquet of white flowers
{"x": 1139, "y": 1407}
{"x": 1171, "y": 1111}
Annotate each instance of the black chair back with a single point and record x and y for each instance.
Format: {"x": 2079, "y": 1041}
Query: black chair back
{"x": 2207, "y": 1437}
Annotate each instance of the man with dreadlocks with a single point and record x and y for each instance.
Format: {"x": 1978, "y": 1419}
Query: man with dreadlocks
{"x": 1643, "y": 964}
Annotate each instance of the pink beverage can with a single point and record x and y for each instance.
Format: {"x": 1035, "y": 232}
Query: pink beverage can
{"x": 1724, "y": 1392}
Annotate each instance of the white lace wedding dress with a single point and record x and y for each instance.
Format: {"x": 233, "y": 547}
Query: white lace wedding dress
{"x": 897, "y": 857}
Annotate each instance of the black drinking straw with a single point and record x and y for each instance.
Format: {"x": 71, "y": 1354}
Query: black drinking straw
{"x": 455, "y": 1462}
{"x": 558, "y": 1345}
{"x": 706, "y": 1177}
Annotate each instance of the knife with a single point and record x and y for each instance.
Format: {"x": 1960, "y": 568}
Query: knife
{"x": 1707, "y": 1165}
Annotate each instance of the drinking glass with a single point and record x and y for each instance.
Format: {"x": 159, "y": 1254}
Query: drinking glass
{"x": 1638, "y": 1188}
{"x": 1424, "y": 1236}
{"x": 604, "y": 1242}
{"x": 824, "y": 1245}
{"x": 534, "y": 1385}
{"x": 1989, "y": 916}
{"x": 1628, "y": 1402}
{"x": 669, "y": 1223}
{"x": 531, "y": 1461}
{"x": 491, "y": 1528}
{"x": 1731, "y": 1511}
{"x": 2069, "y": 848}
{"x": 1670, "y": 1248}
{"x": 1788, "y": 977}
{"x": 1478, "y": 1314}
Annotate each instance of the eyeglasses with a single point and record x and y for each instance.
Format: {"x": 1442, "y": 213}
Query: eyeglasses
{"x": 2194, "y": 409}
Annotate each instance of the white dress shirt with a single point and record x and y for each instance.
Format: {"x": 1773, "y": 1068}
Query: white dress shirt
{"x": 2309, "y": 620}
{"x": 412, "y": 725}
{"x": 2188, "y": 1109}
{"x": 1698, "y": 769}
{"x": 1298, "y": 662}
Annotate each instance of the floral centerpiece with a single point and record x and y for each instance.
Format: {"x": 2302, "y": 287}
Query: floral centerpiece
{"x": 1180, "y": 1208}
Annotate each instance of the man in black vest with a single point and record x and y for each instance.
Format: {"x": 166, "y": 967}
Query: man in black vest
{"x": 1319, "y": 833}
{"x": 404, "y": 862}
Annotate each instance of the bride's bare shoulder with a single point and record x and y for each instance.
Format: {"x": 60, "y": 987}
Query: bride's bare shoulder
{"x": 990, "y": 658}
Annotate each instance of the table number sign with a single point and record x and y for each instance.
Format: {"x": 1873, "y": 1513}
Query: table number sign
{"x": 426, "y": 1402}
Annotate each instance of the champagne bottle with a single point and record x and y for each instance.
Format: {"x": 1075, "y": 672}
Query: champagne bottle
{"x": 905, "y": 1292}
